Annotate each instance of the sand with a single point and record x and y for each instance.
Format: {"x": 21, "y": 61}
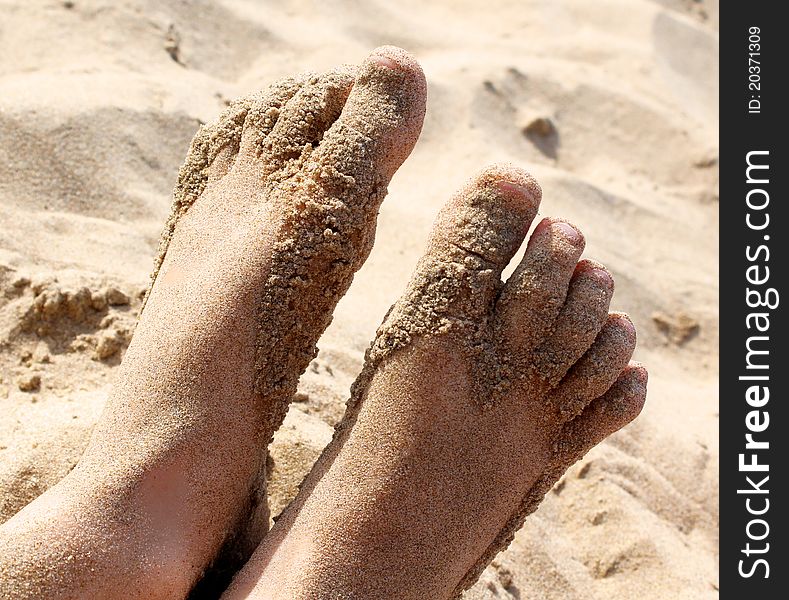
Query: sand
{"x": 610, "y": 105}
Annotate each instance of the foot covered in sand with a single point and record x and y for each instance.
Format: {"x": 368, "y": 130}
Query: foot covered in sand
{"x": 476, "y": 396}
{"x": 275, "y": 209}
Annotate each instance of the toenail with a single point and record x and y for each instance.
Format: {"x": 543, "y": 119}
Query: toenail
{"x": 510, "y": 187}
{"x": 604, "y": 276}
{"x": 571, "y": 233}
{"x": 385, "y": 61}
{"x": 627, "y": 324}
{"x": 542, "y": 225}
{"x": 640, "y": 371}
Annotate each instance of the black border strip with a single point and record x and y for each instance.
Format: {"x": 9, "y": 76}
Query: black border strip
{"x": 759, "y": 129}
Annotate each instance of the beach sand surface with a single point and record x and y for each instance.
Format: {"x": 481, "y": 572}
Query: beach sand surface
{"x": 612, "y": 105}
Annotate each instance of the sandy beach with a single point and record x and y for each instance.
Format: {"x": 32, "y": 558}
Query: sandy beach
{"x": 611, "y": 105}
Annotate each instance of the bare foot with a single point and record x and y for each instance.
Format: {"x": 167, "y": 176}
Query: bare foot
{"x": 274, "y": 211}
{"x": 476, "y": 396}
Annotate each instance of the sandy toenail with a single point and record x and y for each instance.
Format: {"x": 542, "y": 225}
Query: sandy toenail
{"x": 640, "y": 370}
{"x": 387, "y": 62}
{"x": 603, "y": 275}
{"x": 395, "y": 58}
{"x": 510, "y": 187}
{"x": 541, "y": 227}
{"x": 626, "y": 323}
{"x": 571, "y": 233}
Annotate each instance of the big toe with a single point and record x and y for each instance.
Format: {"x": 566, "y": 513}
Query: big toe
{"x": 378, "y": 127}
{"x": 305, "y": 118}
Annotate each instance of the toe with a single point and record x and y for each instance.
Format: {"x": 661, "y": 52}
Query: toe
{"x": 263, "y": 110}
{"x": 476, "y": 234}
{"x": 613, "y": 410}
{"x": 474, "y": 237}
{"x": 579, "y": 321}
{"x": 599, "y": 368}
{"x": 215, "y": 146}
{"x": 487, "y": 219}
{"x": 305, "y": 118}
{"x": 535, "y": 293}
{"x": 378, "y": 127}
{"x": 223, "y": 161}
{"x": 211, "y": 154}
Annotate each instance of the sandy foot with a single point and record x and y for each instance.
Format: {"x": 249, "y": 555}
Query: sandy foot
{"x": 274, "y": 211}
{"x": 476, "y": 396}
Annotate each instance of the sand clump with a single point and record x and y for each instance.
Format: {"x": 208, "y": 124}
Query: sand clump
{"x": 90, "y": 319}
{"x": 30, "y": 382}
{"x": 678, "y": 329}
